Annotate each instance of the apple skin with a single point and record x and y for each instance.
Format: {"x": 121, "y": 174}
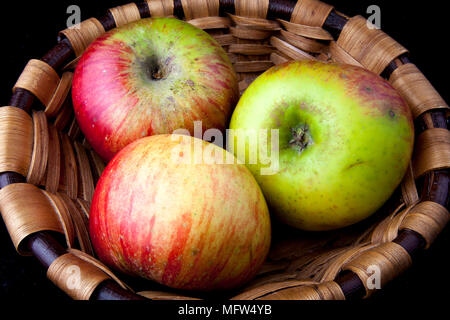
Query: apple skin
{"x": 188, "y": 226}
{"x": 151, "y": 77}
{"x": 362, "y": 138}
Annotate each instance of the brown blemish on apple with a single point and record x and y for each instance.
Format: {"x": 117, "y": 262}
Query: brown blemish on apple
{"x": 190, "y": 83}
{"x": 368, "y": 89}
{"x": 356, "y": 164}
{"x": 168, "y": 60}
{"x": 391, "y": 114}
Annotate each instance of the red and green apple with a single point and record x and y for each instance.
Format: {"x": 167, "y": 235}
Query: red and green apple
{"x": 151, "y": 77}
{"x": 345, "y": 141}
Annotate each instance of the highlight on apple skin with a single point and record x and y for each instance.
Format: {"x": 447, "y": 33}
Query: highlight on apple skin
{"x": 345, "y": 141}
{"x": 151, "y": 77}
{"x": 203, "y": 226}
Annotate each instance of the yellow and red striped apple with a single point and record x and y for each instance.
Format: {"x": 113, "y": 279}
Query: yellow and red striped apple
{"x": 151, "y": 77}
{"x": 187, "y": 225}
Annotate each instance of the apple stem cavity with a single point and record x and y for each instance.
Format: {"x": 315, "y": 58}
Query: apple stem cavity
{"x": 301, "y": 137}
{"x": 155, "y": 71}
{"x": 157, "y": 74}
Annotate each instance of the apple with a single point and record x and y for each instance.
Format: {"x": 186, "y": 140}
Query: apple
{"x": 194, "y": 226}
{"x": 345, "y": 141}
{"x": 151, "y": 77}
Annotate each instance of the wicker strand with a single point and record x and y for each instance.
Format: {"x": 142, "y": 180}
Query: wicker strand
{"x": 311, "y": 13}
{"x": 40, "y": 79}
{"x": 252, "y": 9}
{"x": 64, "y": 217}
{"x": 16, "y": 140}
{"x": 306, "y": 31}
{"x": 416, "y": 89}
{"x": 251, "y": 49}
{"x": 86, "y": 180}
{"x": 262, "y": 290}
{"x": 389, "y": 258}
{"x": 335, "y": 262}
{"x": 290, "y": 50}
{"x": 126, "y": 14}
{"x": 387, "y": 230}
{"x": 250, "y": 34}
{"x": 340, "y": 55}
{"x": 70, "y": 168}
{"x": 84, "y": 207}
{"x": 255, "y": 23}
{"x": 410, "y": 195}
{"x": 302, "y": 43}
{"x": 160, "y": 8}
{"x": 54, "y": 161}
{"x": 252, "y": 66}
{"x": 75, "y": 276}
{"x": 64, "y": 117}
{"x": 324, "y": 291}
{"x": 330, "y": 291}
{"x": 98, "y": 264}
{"x": 432, "y": 151}
{"x": 81, "y": 35}
{"x": 24, "y": 215}
{"x": 371, "y": 47}
{"x": 225, "y": 39}
{"x": 74, "y": 131}
{"x": 81, "y": 224}
{"x": 97, "y": 163}
{"x": 60, "y": 95}
{"x": 38, "y": 163}
{"x": 278, "y": 58}
{"x": 194, "y": 9}
{"x": 208, "y": 23}
{"x": 427, "y": 219}
{"x": 71, "y": 66}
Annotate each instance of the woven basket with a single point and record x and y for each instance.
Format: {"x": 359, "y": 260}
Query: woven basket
{"x": 48, "y": 170}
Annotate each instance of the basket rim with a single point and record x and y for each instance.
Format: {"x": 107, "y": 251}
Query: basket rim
{"x": 46, "y": 248}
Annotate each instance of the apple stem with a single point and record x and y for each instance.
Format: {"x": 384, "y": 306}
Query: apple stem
{"x": 158, "y": 75}
{"x": 301, "y": 137}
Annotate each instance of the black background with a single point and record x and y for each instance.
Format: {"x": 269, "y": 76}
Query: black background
{"x": 29, "y": 29}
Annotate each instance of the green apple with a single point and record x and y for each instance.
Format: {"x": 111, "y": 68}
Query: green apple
{"x": 345, "y": 141}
